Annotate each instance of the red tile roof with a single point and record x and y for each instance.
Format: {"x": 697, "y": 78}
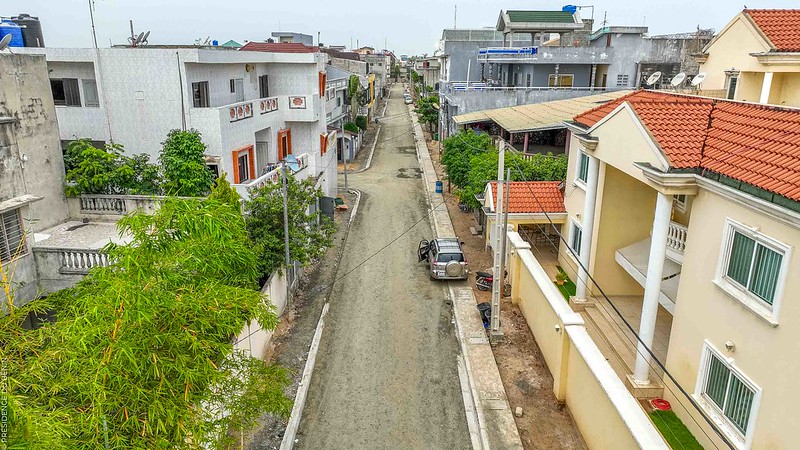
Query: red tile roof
{"x": 781, "y": 26}
{"x": 530, "y": 197}
{"x": 278, "y": 47}
{"x": 755, "y": 144}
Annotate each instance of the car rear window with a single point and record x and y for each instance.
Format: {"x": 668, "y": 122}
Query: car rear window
{"x": 447, "y": 257}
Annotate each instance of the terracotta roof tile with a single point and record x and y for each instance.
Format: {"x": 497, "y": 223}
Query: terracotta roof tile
{"x": 533, "y": 197}
{"x": 277, "y": 47}
{"x": 755, "y": 144}
{"x": 781, "y": 26}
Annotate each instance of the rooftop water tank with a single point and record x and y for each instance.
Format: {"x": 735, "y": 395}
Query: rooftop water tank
{"x": 9, "y": 27}
{"x": 31, "y": 30}
{"x": 569, "y": 8}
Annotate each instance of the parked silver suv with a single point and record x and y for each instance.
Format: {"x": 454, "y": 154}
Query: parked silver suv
{"x": 445, "y": 259}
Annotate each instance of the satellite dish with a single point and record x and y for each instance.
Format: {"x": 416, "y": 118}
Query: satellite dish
{"x": 678, "y": 79}
{"x": 698, "y": 78}
{"x": 4, "y": 42}
{"x": 144, "y": 39}
{"x": 138, "y": 39}
{"x": 654, "y": 78}
{"x": 292, "y": 162}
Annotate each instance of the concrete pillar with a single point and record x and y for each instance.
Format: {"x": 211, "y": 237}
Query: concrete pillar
{"x": 557, "y": 84}
{"x": 652, "y": 288}
{"x": 593, "y": 76}
{"x": 766, "y": 87}
{"x": 587, "y": 224}
{"x": 527, "y": 137}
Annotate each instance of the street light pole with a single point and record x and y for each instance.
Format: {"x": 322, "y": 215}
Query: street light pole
{"x": 289, "y": 283}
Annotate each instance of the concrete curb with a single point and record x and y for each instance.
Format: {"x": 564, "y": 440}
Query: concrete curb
{"x": 305, "y": 381}
{"x": 489, "y": 417}
{"x": 353, "y": 213}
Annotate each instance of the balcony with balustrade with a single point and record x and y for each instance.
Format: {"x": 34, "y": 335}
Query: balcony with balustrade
{"x": 546, "y": 55}
{"x": 273, "y": 175}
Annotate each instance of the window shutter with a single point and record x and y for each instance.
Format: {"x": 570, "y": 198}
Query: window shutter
{"x": 741, "y": 256}
{"x": 766, "y": 269}
{"x": 289, "y": 140}
{"x": 235, "y": 159}
{"x": 12, "y": 238}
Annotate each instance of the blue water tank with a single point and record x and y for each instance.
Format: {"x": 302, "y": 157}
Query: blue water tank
{"x": 9, "y": 27}
{"x": 569, "y": 8}
{"x": 215, "y": 42}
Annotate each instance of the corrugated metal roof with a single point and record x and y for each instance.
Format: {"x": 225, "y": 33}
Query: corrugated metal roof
{"x": 541, "y": 16}
{"x": 538, "y": 116}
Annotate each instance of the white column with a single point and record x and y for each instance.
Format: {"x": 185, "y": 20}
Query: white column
{"x": 766, "y": 86}
{"x": 652, "y": 287}
{"x": 587, "y": 224}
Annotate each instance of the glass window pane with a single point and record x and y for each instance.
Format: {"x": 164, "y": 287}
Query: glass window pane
{"x": 740, "y": 401}
{"x": 716, "y": 381}
{"x": 741, "y": 256}
{"x": 71, "y": 92}
{"x": 766, "y": 269}
{"x": 583, "y": 167}
{"x": 90, "y": 93}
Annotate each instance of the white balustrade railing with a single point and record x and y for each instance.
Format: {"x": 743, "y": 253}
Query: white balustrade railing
{"x": 103, "y": 204}
{"x": 676, "y": 237}
{"x": 73, "y": 261}
{"x": 273, "y": 176}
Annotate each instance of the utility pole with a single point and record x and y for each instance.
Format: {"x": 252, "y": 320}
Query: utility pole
{"x": 286, "y": 228}
{"x": 346, "y": 151}
{"x": 498, "y": 270}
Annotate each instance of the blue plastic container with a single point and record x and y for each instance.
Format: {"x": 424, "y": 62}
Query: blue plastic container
{"x": 9, "y": 27}
{"x": 569, "y": 8}
{"x": 438, "y": 187}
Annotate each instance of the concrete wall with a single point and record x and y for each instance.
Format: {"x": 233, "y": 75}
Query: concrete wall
{"x": 254, "y": 339}
{"x": 605, "y": 413}
{"x": 30, "y": 156}
{"x": 357, "y": 67}
{"x": 706, "y": 313}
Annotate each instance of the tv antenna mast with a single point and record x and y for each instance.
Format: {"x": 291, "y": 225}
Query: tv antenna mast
{"x": 91, "y": 17}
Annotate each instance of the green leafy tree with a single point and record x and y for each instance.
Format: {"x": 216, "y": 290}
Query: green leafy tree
{"x": 141, "y": 352}
{"x": 351, "y": 127}
{"x": 361, "y": 122}
{"x": 223, "y": 192}
{"x": 356, "y": 95}
{"x": 395, "y": 72}
{"x": 143, "y": 178}
{"x": 457, "y": 151}
{"x": 427, "y": 109}
{"x": 264, "y": 216}
{"x": 185, "y": 171}
{"x": 92, "y": 170}
{"x": 483, "y": 168}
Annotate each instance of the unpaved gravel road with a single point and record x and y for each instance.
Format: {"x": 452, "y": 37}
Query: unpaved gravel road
{"x": 386, "y": 375}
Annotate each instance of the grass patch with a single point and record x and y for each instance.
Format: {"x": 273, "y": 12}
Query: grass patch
{"x": 674, "y": 431}
{"x": 568, "y": 288}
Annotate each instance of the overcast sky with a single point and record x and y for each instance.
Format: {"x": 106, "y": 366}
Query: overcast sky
{"x": 408, "y": 27}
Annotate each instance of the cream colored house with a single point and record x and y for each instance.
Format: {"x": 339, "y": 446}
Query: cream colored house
{"x": 755, "y": 58}
{"x": 686, "y": 211}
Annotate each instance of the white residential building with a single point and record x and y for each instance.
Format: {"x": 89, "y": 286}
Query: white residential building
{"x": 253, "y": 106}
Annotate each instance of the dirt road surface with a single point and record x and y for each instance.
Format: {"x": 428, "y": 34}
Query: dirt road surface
{"x": 386, "y": 375}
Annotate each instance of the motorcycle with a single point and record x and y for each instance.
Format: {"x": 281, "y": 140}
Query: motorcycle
{"x": 484, "y": 281}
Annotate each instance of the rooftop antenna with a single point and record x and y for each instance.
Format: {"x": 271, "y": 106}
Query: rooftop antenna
{"x": 678, "y": 80}
{"x": 455, "y": 16}
{"x": 4, "y": 42}
{"x": 91, "y": 17}
{"x": 653, "y": 79}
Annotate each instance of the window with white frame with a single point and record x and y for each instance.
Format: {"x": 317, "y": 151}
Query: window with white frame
{"x": 582, "y": 172}
{"x": 575, "y": 237}
{"x": 753, "y": 264}
{"x": 679, "y": 202}
{"x": 90, "y": 96}
{"x": 727, "y": 392}
{"x": 12, "y": 236}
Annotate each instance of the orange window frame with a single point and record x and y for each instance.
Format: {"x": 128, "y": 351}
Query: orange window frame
{"x": 284, "y": 151}
{"x": 251, "y": 163}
